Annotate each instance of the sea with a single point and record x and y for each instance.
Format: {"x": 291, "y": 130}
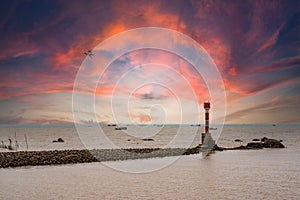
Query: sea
{"x": 237, "y": 174}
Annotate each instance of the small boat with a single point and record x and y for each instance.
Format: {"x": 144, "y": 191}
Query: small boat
{"x": 213, "y": 128}
{"x": 121, "y": 128}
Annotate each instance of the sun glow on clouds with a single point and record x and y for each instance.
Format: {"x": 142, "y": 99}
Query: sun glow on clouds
{"x": 137, "y": 82}
{"x": 255, "y": 46}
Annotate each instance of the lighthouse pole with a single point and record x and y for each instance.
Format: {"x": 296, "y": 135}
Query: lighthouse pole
{"x": 206, "y": 130}
{"x": 206, "y": 107}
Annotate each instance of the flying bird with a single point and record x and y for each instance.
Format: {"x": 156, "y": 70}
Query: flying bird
{"x": 89, "y": 53}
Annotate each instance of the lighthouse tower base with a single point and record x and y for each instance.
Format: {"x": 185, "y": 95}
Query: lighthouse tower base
{"x": 208, "y": 142}
{"x": 202, "y": 137}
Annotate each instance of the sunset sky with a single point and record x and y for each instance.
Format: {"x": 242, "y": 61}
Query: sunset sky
{"x": 254, "y": 44}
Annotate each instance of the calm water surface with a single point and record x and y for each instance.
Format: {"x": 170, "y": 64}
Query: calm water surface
{"x": 255, "y": 174}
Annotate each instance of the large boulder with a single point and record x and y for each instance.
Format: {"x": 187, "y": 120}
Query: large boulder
{"x": 264, "y": 139}
{"x": 217, "y": 148}
{"x": 272, "y": 143}
{"x": 242, "y": 147}
{"x": 254, "y": 145}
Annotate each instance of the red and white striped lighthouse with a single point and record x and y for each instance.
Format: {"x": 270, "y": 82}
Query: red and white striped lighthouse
{"x": 208, "y": 142}
{"x": 206, "y": 107}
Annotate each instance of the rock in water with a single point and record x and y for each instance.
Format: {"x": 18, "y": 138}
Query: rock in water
{"x": 238, "y": 140}
{"x": 272, "y": 143}
{"x": 255, "y": 145}
{"x": 264, "y": 139}
{"x": 147, "y": 139}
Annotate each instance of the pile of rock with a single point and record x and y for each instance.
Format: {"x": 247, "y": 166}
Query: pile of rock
{"x": 255, "y": 144}
{"x": 265, "y": 143}
{"x": 33, "y": 158}
{"x": 58, "y": 140}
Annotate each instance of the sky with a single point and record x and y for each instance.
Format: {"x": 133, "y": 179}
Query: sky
{"x": 255, "y": 46}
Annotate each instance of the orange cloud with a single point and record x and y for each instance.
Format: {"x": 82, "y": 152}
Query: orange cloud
{"x": 105, "y": 90}
{"x": 232, "y": 71}
{"x": 140, "y": 118}
{"x": 271, "y": 41}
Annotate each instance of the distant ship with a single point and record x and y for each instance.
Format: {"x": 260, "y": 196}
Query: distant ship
{"x": 195, "y": 125}
{"x": 121, "y": 128}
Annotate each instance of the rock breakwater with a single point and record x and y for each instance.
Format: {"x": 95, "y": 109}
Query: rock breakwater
{"x": 58, "y": 157}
